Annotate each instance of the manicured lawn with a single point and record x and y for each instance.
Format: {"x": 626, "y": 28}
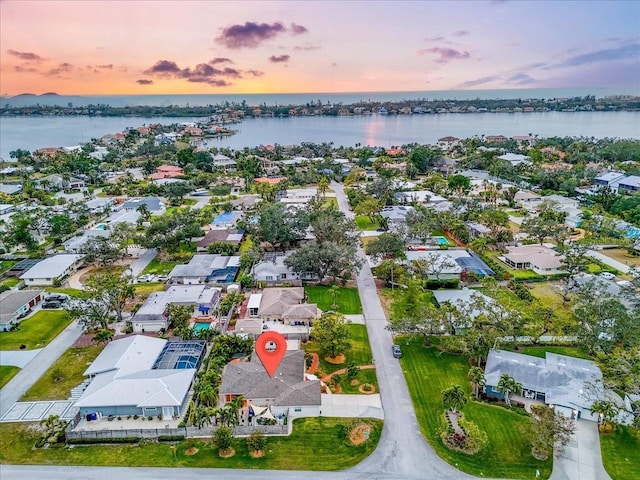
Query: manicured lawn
{"x": 35, "y": 331}
{"x": 72, "y": 364}
{"x": 72, "y": 292}
{"x": 315, "y": 444}
{"x": 347, "y": 299}
{"x": 508, "y": 455}
{"x": 360, "y": 353}
{"x": 7, "y": 373}
{"x": 364, "y": 223}
{"x": 164, "y": 263}
{"x": 560, "y": 350}
{"x": 148, "y": 288}
{"x": 620, "y": 453}
{"x": 549, "y": 297}
{"x": 621, "y": 256}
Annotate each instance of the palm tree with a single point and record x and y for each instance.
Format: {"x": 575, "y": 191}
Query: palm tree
{"x": 143, "y": 210}
{"x": 454, "y": 397}
{"x": 507, "y": 385}
{"x": 476, "y": 377}
{"x": 323, "y": 185}
{"x": 103, "y": 336}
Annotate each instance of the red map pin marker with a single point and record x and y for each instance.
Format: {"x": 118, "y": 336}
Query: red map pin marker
{"x": 269, "y": 355}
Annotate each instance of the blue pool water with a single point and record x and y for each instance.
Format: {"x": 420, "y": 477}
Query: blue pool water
{"x": 201, "y": 326}
{"x": 441, "y": 240}
{"x": 224, "y": 217}
{"x": 100, "y": 226}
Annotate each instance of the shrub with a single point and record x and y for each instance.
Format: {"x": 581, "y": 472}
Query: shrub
{"x": 256, "y": 441}
{"x": 352, "y": 370}
{"x": 223, "y": 438}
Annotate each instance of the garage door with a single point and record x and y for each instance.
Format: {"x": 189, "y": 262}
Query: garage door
{"x": 564, "y": 411}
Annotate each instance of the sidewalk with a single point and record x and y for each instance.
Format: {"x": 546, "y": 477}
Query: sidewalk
{"x": 609, "y": 261}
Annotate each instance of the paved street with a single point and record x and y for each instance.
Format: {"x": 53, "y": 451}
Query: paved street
{"x": 609, "y": 261}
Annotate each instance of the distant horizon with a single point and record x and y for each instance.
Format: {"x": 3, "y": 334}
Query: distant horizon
{"x": 632, "y": 89}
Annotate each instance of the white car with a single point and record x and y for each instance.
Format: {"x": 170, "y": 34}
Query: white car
{"x": 607, "y": 275}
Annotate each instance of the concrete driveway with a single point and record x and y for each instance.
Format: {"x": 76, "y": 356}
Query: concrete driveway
{"x": 18, "y": 358}
{"x": 582, "y": 458}
{"x": 339, "y": 405}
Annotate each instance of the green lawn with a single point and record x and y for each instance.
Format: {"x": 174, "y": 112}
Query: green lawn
{"x": 148, "y": 288}
{"x": 72, "y": 364}
{"x": 315, "y": 444}
{"x": 364, "y": 223}
{"x": 164, "y": 263}
{"x": 620, "y": 453}
{"x": 360, "y": 353}
{"x": 36, "y": 331}
{"x": 561, "y": 350}
{"x": 7, "y": 373}
{"x": 508, "y": 455}
{"x": 10, "y": 281}
{"x": 347, "y": 299}
{"x": 72, "y": 292}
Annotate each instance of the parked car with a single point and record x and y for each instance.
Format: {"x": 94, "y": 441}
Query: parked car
{"x": 395, "y": 349}
{"x": 56, "y": 297}
{"x": 607, "y": 275}
{"x": 51, "y": 305}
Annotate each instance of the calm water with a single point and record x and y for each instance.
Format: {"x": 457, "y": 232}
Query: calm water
{"x": 375, "y": 130}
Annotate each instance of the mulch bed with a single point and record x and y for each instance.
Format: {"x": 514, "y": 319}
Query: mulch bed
{"x": 357, "y": 435}
{"x": 314, "y": 363}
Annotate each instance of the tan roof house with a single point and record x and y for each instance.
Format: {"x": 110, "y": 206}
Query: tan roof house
{"x": 540, "y": 259}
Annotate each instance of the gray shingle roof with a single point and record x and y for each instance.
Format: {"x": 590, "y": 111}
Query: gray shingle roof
{"x": 287, "y": 387}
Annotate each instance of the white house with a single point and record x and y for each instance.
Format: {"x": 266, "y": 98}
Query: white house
{"x": 15, "y": 304}
{"x": 52, "y": 270}
{"x": 515, "y": 159}
{"x": 609, "y": 179}
{"x": 539, "y": 258}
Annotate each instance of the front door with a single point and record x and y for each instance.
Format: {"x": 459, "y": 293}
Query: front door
{"x": 167, "y": 412}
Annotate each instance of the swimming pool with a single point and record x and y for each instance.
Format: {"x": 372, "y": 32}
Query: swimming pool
{"x": 201, "y": 326}
{"x": 441, "y": 240}
{"x": 100, "y": 226}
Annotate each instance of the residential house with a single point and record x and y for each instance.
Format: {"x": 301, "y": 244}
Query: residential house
{"x": 539, "y": 258}
{"x": 418, "y": 196}
{"x": 141, "y": 375}
{"x": 223, "y": 162}
{"x": 629, "y": 184}
{"x": 445, "y": 165}
{"x": 100, "y": 204}
{"x": 153, "y": 315}
{"x": 58, "y": 182}
{"x": 227, "y": 235}
{"x": 570, "y": 385}
{"x": 449, "y": 264}
{"x": 525, "y": 197}
{"x": 21, "y": 267}
{"x": 77, "y": 242}
{"x": 448, "y": 142}
{"x": 167, "y": 171}
{"x": 226, "y": 220}
{"x": 272, "y": 270}
{"x": 154, "y": 204}
{"x": 396, "y": 216}
{"x": 123, "y": 216}
{"x": 288, "y": 392}
{"x": 10, "y": 188}
{"x": 463, "y": 300}
{"x": 287, "y": 305}
{"x": 515, "y": 159}
{"x": 297, "y": 196}
{"x": 207, "y": 268}
{"x": 15, "y": 304}
{"x": 609, "y": 179}
{"x": 52, "y": 270}
{"x": 477, "y": 230}
{"x": 245, "y": 202}
{"x": 6, "y": 208}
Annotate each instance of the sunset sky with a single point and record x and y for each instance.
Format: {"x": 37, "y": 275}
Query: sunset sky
{"x": 165, "y": 47}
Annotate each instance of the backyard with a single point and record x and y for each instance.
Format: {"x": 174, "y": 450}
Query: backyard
{"x": 7, "y": 373}
{"x": 316, "y": 444}
{"x": 164, "y": 262}
{"x": 364, "y": 223}
{"x": 428, "y": 371}
{"x": 347, "y": 299}
{"x": 35, "y": 331}
{"x": 63, "y": 375}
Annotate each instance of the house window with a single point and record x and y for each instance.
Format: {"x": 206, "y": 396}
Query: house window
{"x": 297, "y": 409}
{"x": 269, "y": 278}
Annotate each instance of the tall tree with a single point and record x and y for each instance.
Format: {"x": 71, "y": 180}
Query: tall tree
{"x": 547, "y": 430}
{"x": 385, "y": 246}
{"x": 477, "y": 379}
{"x": 332, "y": 333}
